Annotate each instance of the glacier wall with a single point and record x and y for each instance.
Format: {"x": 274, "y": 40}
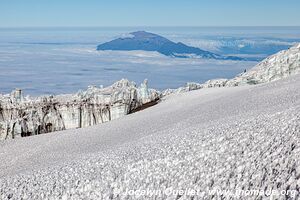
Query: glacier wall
{"x": 25, "y": 116}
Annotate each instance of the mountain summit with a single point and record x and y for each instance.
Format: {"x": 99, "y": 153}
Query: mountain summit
{"x": 146, "y": 41}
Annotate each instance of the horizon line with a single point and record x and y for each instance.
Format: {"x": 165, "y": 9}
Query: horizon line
{"x": 179, "y": 26}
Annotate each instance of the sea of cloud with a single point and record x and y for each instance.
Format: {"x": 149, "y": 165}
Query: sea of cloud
{"x": 54, "y": 69}
{"x": 53, "y": 61}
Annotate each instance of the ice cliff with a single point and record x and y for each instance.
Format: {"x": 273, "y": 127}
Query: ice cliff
{"x": 26, "y": 116}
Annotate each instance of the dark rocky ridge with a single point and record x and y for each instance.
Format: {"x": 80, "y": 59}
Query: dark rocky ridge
{"x": 146, "y": 41}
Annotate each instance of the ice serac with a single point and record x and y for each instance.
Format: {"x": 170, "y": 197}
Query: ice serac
{"x": 25, "y": 116}
{"x": 190, "y": 86}
{"x": 275, "y": 67}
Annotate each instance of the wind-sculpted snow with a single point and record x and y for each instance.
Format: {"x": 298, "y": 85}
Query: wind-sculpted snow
{"x": 25, "y": 116}
{"x": 237, "y": 138}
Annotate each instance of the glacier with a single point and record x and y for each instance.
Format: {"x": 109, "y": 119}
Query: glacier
{"x": 26, "y": 116}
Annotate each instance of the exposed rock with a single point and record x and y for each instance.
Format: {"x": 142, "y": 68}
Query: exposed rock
{"x": 21, "y": 116}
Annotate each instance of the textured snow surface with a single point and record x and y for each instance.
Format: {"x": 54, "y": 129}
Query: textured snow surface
{"x": 244, "y": 137}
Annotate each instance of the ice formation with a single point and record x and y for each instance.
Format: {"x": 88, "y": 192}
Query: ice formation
{"x": 275, "y": 67}
{"x": 25, "y": 116}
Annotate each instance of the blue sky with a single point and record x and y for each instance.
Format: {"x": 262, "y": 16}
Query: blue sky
{"x": 37, "y": 13}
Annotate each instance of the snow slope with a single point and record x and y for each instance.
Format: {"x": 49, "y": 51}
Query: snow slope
{"x": 244, "y": 137}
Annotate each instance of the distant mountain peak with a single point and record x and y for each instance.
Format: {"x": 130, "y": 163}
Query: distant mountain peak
{"x": 136, "y": 33}
{"x": 149, "y": 37}
{"x": 144, "y": 34}
{"x": 146, "y": 41}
